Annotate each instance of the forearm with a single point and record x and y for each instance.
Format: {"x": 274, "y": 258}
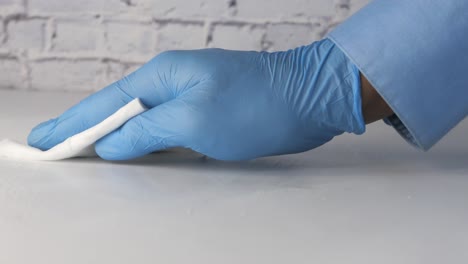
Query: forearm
{"x": 374, "y": 108}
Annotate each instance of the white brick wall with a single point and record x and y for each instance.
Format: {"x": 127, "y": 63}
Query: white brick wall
{"x": 27, "y": 34}
{"x": 76, "y": 35}
{"x": 11, "y": 73}
{"x": 66, "y": 75}
{"x": 242, "y": 37}
{"x": 82, "y": 45}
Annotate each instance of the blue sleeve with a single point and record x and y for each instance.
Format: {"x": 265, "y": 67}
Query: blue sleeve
{"x": 415, "y": 53}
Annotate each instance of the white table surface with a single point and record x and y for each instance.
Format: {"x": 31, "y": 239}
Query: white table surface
{"x": 360, "y": 199}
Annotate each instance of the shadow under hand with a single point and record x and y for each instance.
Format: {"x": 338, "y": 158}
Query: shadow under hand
{"x": 315, "y": 162}
{"x": 188, "y": 159}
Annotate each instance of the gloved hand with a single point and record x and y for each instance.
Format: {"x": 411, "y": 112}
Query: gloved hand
{"x": 228, "y": 105}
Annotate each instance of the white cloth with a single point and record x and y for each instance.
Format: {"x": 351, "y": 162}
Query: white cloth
{"x": 79, "y": 145}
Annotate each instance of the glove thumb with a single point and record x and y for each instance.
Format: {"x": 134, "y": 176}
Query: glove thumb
{"x": 162, "y": 127}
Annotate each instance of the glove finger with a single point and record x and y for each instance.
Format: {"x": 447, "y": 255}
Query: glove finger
{"x": 162, "y": 127}
{"x": 99, "y": 106}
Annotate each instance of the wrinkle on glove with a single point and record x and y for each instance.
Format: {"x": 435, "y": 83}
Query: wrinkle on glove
{"x": 79, "y": 145}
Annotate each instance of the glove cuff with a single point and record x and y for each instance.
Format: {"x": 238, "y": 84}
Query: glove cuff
{"x": 335, "y": 92}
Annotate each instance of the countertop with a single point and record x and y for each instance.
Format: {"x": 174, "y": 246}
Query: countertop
{"x": 359, "y": 199}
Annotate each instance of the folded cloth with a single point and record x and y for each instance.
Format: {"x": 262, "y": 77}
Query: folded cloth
{"x": 79, "y": 145}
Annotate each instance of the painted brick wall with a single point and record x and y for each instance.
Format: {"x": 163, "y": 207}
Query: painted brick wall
{"x": 83, "y": 45}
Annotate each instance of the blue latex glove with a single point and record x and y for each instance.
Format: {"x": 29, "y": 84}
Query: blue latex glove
{"x": 228, "y": 105}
